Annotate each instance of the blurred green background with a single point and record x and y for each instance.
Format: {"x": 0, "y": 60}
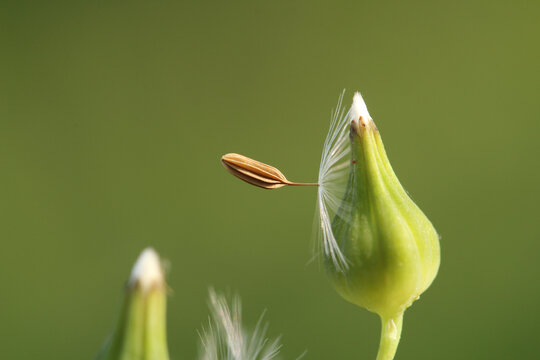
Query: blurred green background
{"x": 113, "y": 117}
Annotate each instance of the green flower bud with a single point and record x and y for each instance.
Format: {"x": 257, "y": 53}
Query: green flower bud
{"x": 141, "y": 330}
{"x": 380, "y": 251}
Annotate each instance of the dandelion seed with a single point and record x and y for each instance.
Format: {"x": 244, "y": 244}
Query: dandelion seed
{"x": 332, "y": 179}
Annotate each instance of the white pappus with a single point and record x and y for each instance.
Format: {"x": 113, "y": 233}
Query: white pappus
{"x": 333, "y": 175}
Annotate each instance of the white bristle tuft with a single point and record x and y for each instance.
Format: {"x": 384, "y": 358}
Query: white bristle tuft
{"x": 147, "y": 270}
{"x": 359, "y": 111}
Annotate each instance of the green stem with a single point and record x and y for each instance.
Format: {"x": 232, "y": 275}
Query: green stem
{"x": 390, "y": 334}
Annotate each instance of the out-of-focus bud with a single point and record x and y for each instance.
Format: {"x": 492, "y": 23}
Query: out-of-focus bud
{"x": 141, "y": 330}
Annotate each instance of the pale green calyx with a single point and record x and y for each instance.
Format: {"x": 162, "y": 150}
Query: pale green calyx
{"x": 380, "y": 251}
{"x": 140, "y": 333}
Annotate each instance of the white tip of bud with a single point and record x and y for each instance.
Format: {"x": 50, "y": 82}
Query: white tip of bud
{"x": 359, "y": 111}
{"x": 147, "y": 270}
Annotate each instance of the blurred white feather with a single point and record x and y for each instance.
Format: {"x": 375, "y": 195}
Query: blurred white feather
{"x": 226, "y": 339}
{"x": 333, "y": 176}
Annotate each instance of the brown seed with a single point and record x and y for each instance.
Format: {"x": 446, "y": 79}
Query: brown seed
{"x": 255, "y": 172}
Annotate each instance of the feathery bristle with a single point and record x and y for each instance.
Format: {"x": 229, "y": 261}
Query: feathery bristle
{"x": 333, "y": 175}
{"x": 226, "y": 339}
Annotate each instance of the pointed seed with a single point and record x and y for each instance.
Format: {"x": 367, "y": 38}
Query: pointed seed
{"x": 256, "y": 173}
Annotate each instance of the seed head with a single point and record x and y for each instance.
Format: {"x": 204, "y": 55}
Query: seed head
{"x": 380, "y": 251}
